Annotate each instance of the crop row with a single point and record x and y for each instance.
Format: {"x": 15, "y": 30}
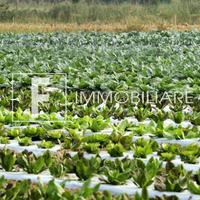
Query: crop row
{"x": 74, "y": 135}
{"x": 86, "y": 103}
{"x": 116, "y": 144}
{"x": 170, "y": 178}
{"x": 88, "y": 125}
{"x": 140, "y": 114}
{"x": 52, "y": 190}
{"x": 42, "y": 132}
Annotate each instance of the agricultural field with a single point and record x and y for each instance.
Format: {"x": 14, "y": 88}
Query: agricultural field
{"x": 122, "y": 119}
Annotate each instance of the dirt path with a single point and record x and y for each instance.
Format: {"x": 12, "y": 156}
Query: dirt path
{"x": 114, "y": 27}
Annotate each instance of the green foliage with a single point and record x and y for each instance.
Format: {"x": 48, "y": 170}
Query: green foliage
{"x": 30, "y": 163}
{"x": 102, "y": 139}
{"x": 115, "y": 150}
{"x": 54, "y": 134}
{"x": 142, "y": 174}
{"x": 91, "y": 148}
{"x": 116, "y": 177}
{"x": 194, "y": 187}
{"x": 73, "y": 140}
{"x": 190, "y": 153}
{"x": 57, "y": 169}
{"x": 144, "y": 147}
{"x": 167, "y": 156}
{"x": 52, "y": 190}
{"x": 85, "y": 168}
{"x": 175, "y": 180}
{"x": 97, "y": 124}
{"x": 45, "y": 144}
{"x": 104, "y": 62}
{"x": 30, "y": 132}
{"x": 25, "y": 141}
{"x": 8, "y": 159}
{"x": 4, "y": 140}
{"x": 13, "y": 133}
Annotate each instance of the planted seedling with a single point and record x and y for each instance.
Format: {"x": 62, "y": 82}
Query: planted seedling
{"x": 144, "y": 147}
{"x": 86, "y": 168}
{"x": 141, "y": 113}
{"x": 116, "y": 177}
{"x": 115, "y": 150}
{"x": 8, "y": 159}
{"x": 102, "y": 139}
{"x": 30, "y": 163}
{"x": 118, "y": 136}
{"x": 117, "y": 172}
{"x": 174, "y": 180}
{"x": 73, "y": 140}
{"x": 174, "y": 133}
{"x": 190, "y": 153}
{"x": 69, "y": 163}
{"x": 85, "y": 192}
{"x": 194, "y": 184}
{"x": 25, "y": 141}
{"x": 195, "y": 118}
{"x": 48, "y": 158}
{"x": 14, "y": 132}
{"x": 91, "y": 148}
{"x": 56, "y": 169}
{"x": 159, "y": 115}
{"x": 46, "y": 144}
{"x": 167, "y": 152}
{"x": 54, "y": 134}
{"x": 193, "y": 187}
{"x": 165, "y": 156}
{"x": 178, "y": 117}
{"x": 30, "y": 131}
{"x": 4, "y": 140}
{"x": 98, "y": 123}
{"x": 143, "y": 175}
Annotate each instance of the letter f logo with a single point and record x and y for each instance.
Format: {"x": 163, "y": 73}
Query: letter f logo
{"x": 36, "y": 97}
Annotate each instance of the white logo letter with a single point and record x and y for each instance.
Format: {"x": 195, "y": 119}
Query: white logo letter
{"x": 36, "y": 98}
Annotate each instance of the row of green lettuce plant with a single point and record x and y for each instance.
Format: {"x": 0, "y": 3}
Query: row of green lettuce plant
{"x": 115, "y": 143}
{"x": 26, "y": 190}
{"x": 140, "y": 113}
{"x": 77, "y": 104}
{"x": 97, "y": 124}
{"x": 115, "y": 172}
